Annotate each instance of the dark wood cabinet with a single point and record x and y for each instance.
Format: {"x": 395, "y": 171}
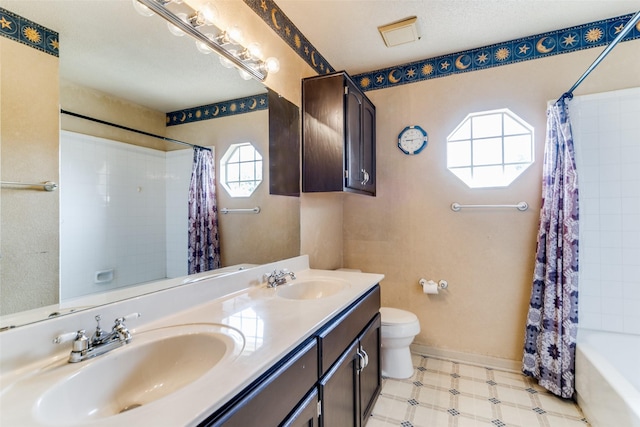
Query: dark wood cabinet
{"x": 351, "y": 387}
{"x": 338, "y": 136}
{"x": 332, "y": 379}
{"x": 284, "y": 146}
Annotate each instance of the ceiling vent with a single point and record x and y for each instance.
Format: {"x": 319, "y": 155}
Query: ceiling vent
{"x": 400, "y": 32}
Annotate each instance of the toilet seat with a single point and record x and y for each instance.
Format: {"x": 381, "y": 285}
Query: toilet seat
{"x": 393, "y": 316}
{"x": 398, "y": 323}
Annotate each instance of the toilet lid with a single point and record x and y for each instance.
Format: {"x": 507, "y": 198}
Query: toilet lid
{"x": 393, "y": 316}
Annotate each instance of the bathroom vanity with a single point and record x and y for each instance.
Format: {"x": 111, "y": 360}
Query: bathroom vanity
{"x": 222, "y": 351}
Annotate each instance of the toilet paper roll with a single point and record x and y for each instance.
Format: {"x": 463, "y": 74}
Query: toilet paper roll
{"x": 429, "y": 286}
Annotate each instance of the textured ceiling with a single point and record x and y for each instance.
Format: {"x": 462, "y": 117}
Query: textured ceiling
{"x": 107, "y": 46}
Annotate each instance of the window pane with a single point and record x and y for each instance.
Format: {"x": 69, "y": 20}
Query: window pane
{"x": 513, "y": 127}
{"x": 233, "y": 172}
{"x": 517, "y": 149}
{"x": 462, "y": 132}
{"x": 247, "y": 171}
{"x": 234, "y": 157}
{"x": 488, "y": 176}
{"x": 486, "y": 126}
{"x": 459, "y": 154}
{"x": 247, "y": 153}
{"x": 258, "y": 171}
{"x": 464, "y": 174}
{"x": 487, "y": 151}
{"x": 511, "y": 172}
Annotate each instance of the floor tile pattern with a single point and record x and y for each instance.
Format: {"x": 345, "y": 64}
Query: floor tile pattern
{"x": 442, "y": 393}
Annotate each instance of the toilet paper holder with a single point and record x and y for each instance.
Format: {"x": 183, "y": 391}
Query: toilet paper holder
{"x": 442, "y": 284}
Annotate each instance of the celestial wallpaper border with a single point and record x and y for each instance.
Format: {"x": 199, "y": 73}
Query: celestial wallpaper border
{"x": 219, "y": 109}
{"x": 557, "y": 42}
{"x": 28, "y": 32}
{"x": 273, "y": 16}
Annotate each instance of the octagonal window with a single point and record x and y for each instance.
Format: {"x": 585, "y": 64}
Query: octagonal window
{"x": 241, "y": 169}
{"x": 490, "y": 148}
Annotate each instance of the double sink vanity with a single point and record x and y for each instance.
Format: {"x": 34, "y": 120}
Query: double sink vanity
{"x": 233, "y": 350}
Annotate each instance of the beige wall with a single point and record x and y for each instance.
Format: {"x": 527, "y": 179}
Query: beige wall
{"x": 409, "y": 231}
{"x": 29, "y": 152}
{"x": 102, "y": 106}
{"x": 272, "y": 234}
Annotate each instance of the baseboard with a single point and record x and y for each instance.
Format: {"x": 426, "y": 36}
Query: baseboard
{"x": 468, "y": 358}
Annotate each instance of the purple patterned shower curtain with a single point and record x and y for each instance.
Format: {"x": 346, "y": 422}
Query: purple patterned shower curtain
{"x": 552, "y": 323}
{"x": 204, "y": 242}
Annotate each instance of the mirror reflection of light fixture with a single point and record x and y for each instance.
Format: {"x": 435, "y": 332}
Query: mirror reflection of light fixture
{"x": 247, "y": 59}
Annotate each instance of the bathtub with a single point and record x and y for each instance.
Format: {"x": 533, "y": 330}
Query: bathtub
{"x": 608, "y": 378}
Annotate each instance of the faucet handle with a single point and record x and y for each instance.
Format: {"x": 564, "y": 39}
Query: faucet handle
{"x": 128, "y": 317}
{"x": 68, "y": 336}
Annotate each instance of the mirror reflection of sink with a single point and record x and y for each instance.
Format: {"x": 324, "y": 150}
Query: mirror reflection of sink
{"x": 155, "y": 364}
{"x": 302, "y": 289}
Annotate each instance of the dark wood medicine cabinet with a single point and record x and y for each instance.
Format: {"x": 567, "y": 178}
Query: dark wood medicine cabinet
{"x": 338, "y": 136}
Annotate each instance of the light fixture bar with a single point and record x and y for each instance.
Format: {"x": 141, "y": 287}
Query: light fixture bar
{"x": 165, "y": 13}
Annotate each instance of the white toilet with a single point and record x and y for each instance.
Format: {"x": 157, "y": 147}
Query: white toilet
{"x": 399, "y": 328}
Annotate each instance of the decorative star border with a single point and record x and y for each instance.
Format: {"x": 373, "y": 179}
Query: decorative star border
{"x": 220, "y": 109}
{"x": 534, "y": 47}
{"x": 28, "y": 32}
{"x": 271, "y": 13}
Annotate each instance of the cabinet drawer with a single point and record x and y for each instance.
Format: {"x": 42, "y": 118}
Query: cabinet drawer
{"x": 268, "y": 402}
{"x": 336, "y": 338}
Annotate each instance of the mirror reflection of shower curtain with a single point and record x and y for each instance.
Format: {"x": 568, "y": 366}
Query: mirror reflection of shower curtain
{"x": 204, "y": 240}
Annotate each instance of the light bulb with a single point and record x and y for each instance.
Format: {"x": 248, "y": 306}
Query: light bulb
{"x": 175, "y": 30}
{"x": 234, "y": 33}
{"x": 202, "y": 47}
{"x": 142, "y": 9}
{"x": 225, "y": 62}
{"x": 254, "y": 50}
{"x": 272, "y": 65}
{"x": 244, "y": 74}
{"x": 208, "y": 13}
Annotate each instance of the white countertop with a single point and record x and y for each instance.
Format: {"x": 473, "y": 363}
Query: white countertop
{"x": 272, "y": 326}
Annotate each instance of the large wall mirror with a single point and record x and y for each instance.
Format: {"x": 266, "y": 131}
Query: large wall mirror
{"x": 116, "y": 65}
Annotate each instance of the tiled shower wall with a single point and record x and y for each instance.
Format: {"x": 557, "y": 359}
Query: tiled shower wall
{"x": 120, "y": 208}
{"x": 606, "y": 131}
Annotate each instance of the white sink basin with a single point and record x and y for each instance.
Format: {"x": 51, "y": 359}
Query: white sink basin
{"x": 155, "y": 364}
{"x": 311, "y": 288}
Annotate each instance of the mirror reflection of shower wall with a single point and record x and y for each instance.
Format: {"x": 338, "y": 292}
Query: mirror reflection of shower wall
{"x": 123, "y": 214}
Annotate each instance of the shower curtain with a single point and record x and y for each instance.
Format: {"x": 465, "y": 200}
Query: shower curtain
{"x": 552, "y": 322}
{"x": 204, "y": 242}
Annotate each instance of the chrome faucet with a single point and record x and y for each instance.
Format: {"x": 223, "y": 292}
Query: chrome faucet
{"x": 276, "y": 277}
{"x": 101, "y": 341}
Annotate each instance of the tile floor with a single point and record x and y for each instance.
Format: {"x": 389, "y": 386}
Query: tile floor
{"x": 442, "y": 393}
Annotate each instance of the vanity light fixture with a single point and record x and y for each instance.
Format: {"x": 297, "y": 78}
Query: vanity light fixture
{"x": 227, "y": 43}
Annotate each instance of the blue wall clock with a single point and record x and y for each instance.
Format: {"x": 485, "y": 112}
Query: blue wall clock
{"x": 412, "y": 140}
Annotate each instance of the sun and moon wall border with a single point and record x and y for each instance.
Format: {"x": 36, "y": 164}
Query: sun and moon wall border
{"x": 27, "y": 32}
{"x": 557, "y": 42}
{"x": 219, "y": 109}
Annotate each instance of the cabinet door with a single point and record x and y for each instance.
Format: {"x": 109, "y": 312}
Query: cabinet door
{"x": 360, "y": 137}
{"x": 353, "y": 137}
{"x": 306, "y": 414}
{"x": 370, "y": 375}
{"x": 338, "y": 390}
{"x": 368, "y": 149}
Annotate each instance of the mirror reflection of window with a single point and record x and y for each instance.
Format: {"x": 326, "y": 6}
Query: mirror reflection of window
{"x": 241, "y": 169}
{"x": 490, "y": 148}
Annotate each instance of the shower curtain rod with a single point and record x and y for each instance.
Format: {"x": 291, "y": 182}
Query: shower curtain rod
{"x": 627, "y": 28}
{"x": 164, "y": 138}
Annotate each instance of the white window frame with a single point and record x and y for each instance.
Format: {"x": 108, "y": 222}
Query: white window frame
{"x": 241, "y": 174}
{"x": 465, "y": 150}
